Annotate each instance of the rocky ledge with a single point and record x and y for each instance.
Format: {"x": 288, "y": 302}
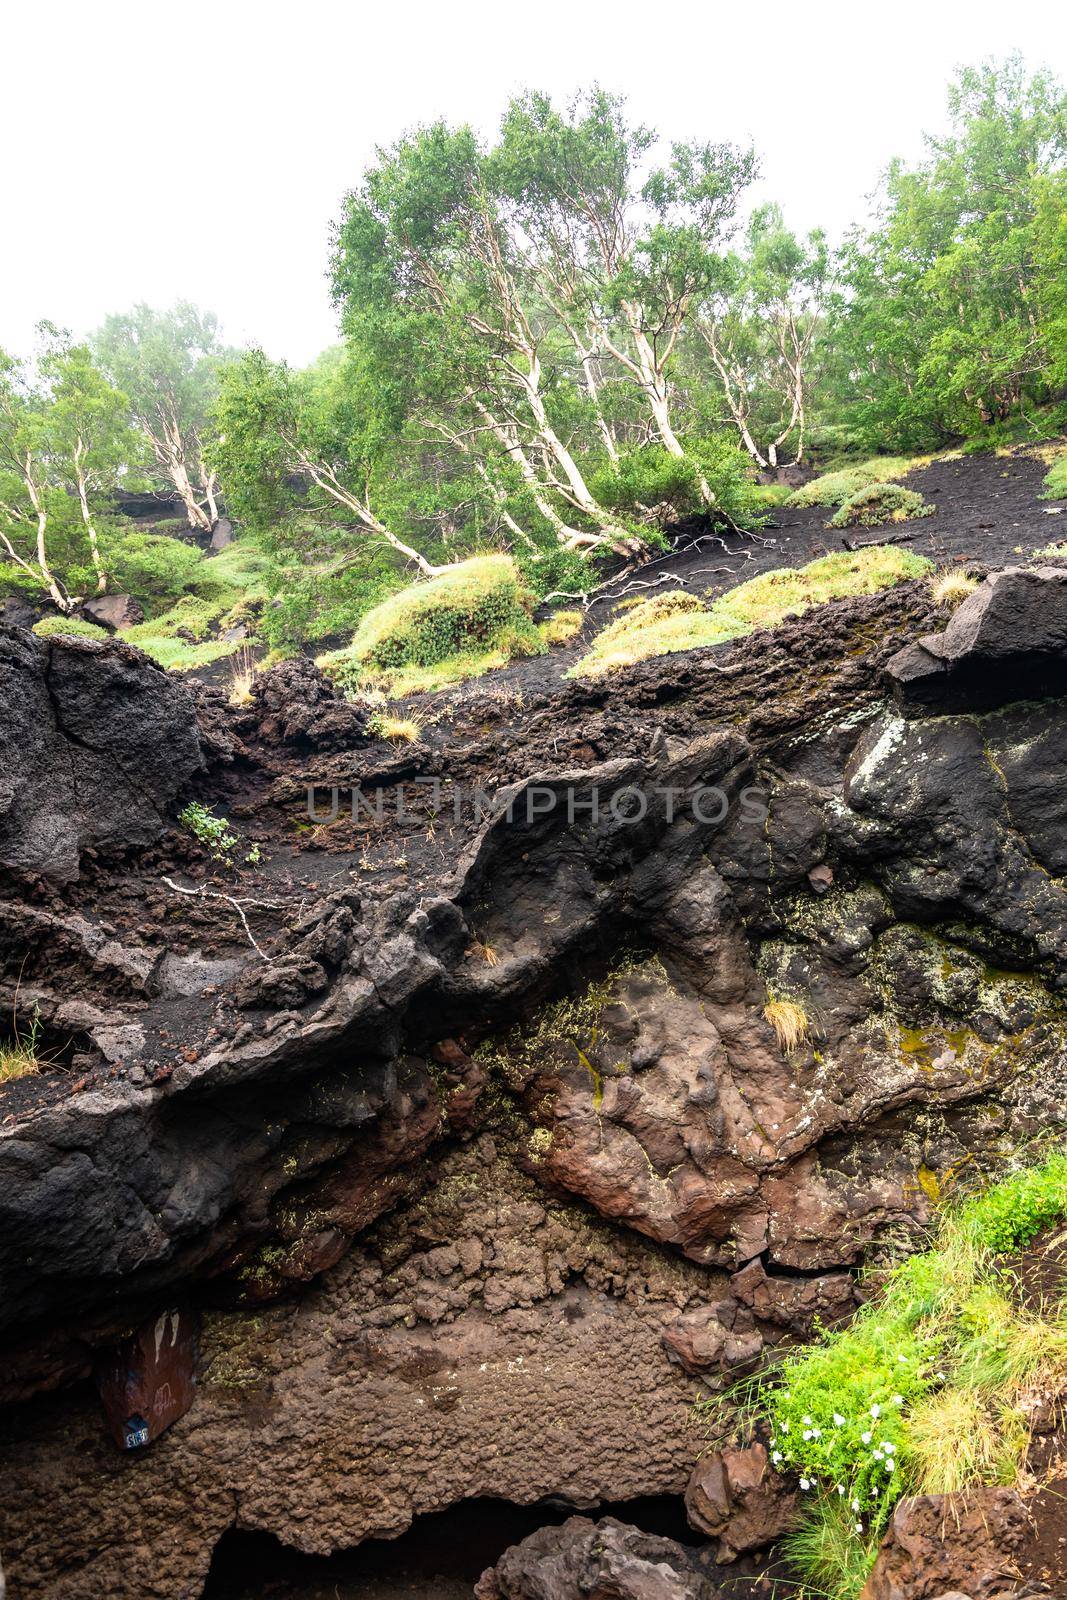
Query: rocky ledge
{"x": 466, "y": 1133}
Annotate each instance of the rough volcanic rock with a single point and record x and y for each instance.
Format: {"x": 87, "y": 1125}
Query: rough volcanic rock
{"x": 941, "y": 1542}
{"x": 1006, "y": 641}
{"x": 607, "y": 1559}
{"x": 113, "y": 611}
{"x": 734, "y": 1495}
{"x": 95, "y": 743}
{"x": 296, "y": 704}
{"x": 477, "y": 1342}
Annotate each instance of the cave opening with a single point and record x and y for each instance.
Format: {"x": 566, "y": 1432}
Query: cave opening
{"x": 440, "y": 1557}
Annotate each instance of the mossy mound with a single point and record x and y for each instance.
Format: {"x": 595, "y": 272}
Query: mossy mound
{"x": 879, "y": 503}
{"x": 676, "y": 622}
{"x": 474, "y": 616}
{"x": 68, "y": 627}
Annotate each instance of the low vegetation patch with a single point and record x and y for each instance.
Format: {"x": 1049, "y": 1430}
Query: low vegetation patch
{"x": 68, "y": 628}
{"x": 879, "y": 503}
{"x": 834, "y": 488}
{"x": 401, "y": 730}
{"x": 675, "y": 622}
{"x": 230, "y": 592}
{"x": 952, "y": 588}
{"x": 1055, "y": 481}
{"x": 789, "y": 1021}
{"x": 560, "y": 627}
{"x": 474, "y": 616}
{"x": 924, "y": 1391}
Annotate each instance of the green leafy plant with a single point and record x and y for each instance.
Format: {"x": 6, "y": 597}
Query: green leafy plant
{"x": 212, "y": 832}
{"x": 922, "y": 1391}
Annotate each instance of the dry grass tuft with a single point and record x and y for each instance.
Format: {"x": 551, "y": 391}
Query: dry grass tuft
{"x": 789, "y": 1021}
{"x": 401, "y": 730}
{"x": 952, "y": 588}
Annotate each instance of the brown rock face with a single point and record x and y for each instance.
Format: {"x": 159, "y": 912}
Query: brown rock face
{"x": 734, "y": 1495}
{"x": 476, "y": 1343}
{"x": 585, "y": 1560}
{"x": 941, "y": 1542}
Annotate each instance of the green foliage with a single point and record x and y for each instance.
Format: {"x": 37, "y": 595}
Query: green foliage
{"x": 56, "y": 627}
{"x": 675, "y": 622}
{"x": 833, "y": 488}
{"x": 878, "y": 503}
{"x": 1055, "y": 481}
{"x": 920, "y": 1392}
{"x": 212, "y": 832}
{"x": 650, "y": 480}
{"x": 154, "y": 567}
{"x": 471, "y": 605}
{"x": 953, "y": 314}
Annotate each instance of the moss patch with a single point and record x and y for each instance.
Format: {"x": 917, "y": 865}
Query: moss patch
{"x": 682, "y": 622}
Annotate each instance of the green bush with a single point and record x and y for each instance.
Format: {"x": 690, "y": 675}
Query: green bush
{"x": 76, "y": 627}
{"x": 471, "y": 606}
{"x": 153, "y": 567}
{"x": 651, "y": 478}
{"x": 879, "y": 503}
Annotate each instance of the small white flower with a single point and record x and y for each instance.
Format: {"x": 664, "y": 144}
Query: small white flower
{"x": 898, "y": 1399}
{"x": 807, "y": 1433}
{"x": 876, "y": 1411}
{"x": 876, "y": 1455}
{"x": 890, "y": 1449}
{"x": 776, "y": 1456}
{"x": 889, "y": 1465}
{"x": 855, "y": 1505}
{"x": 940, "y": 1376}
{"x": 839, "y": 1421}
{"x": 840, "y": 1488}
{"x": 806, "y": 1421}
{"x": 805, "y": 1483}
{"x": 904, "y": 1359}
{"x": 865, "y": 1438}
{"x": 859, "y": 1527}
{"x": 784, "y": 1427}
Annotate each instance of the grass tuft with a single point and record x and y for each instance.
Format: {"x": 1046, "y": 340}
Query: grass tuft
{"x": 560, "y": 627}
{"x": 789, "y": 1021}
{"x": 951, "y": 588}
{"x": 401, "y": 730}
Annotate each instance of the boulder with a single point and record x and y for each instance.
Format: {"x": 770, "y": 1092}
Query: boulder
{"x": 296, "y": 704}
{"x": 95, "y": 744}
{"x": 735, "y": 1495}
{"x": 1007, "y": 641}
{"x": 698, "y": 1341}
{"x": 113, "y": 611}
{"x": 946, "y": 1542}
{"x": 221, "y": 534}
{"x": 608, "y": 1559}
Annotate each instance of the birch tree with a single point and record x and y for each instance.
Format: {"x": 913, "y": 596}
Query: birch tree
{"x": 759, "y": 320}
{"x": 169, "y": 364}
{"x": 619, "y": 256}
{"x": 424, "y": 241}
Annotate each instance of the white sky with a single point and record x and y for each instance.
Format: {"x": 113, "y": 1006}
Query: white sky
{"x": 201, "y": 150}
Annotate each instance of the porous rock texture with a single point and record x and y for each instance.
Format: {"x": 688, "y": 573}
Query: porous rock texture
{"x": 95, "y": 742}
{"x": 596, "y": 1558}
{"x": 472, "y": 1142}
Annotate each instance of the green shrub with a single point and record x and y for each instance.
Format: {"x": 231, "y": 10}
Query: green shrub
{"x": 476, "y": 606}
{"x": 76, "y": 627}
{"x": 675, "y": 622}
{"x": 153, "y": 567}
{"x": 651, "y": 478}
{"x": 879, "y": 503}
